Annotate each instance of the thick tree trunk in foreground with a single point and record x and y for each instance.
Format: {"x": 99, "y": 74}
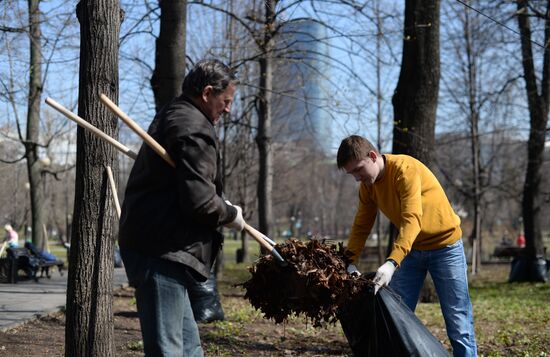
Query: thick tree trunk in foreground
{"x": 89, "y": 326}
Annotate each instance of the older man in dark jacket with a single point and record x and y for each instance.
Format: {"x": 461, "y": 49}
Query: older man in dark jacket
{"x": 170, "y": 216}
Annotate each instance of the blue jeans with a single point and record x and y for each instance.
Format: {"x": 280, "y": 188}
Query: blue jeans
{"x": 448, "y": 269}
{"x": 165, "y": 315}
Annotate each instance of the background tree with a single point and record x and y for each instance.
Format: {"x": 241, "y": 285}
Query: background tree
{"x": 89, "y": 318}
{"x": 34, "y": 142}
{"x": 476, "y": 98}
{"x": 538, "y": 99}
{"x": 264, "y": 136}
{"x": 35, "y": 166}
{"x": 281, "y": 43}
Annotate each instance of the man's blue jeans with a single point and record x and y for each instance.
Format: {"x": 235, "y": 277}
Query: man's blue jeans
{"x": 165, "y": 315}
{"x": 448, "y": 269}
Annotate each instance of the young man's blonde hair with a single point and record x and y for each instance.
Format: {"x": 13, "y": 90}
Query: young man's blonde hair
{"x": 354, "y": 147}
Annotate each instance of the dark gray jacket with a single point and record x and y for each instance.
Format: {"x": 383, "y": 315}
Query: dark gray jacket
{"x": 174, "y": 213}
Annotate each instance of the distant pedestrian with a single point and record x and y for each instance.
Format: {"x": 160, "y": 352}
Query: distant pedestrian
{"x": 520, "y": 241}
{"x": 12, "y": 238}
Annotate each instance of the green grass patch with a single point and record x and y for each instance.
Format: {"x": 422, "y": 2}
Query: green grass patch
{"x": 509, "y": 319}
{"x": 135, "y": 345}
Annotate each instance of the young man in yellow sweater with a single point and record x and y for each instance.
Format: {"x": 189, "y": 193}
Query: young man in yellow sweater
{"x": 429, "y": 240}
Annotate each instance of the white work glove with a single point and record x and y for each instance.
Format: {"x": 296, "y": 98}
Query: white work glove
{"x": 352, "y": 269}
{"x": 238, "y": 222}
{"x": 383, "y": 275}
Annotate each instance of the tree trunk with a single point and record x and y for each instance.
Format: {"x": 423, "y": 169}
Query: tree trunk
{"x": 415, "y": 98}
{"x": 263, "y": 139}
{"x": 89, "y": 321}
{"x": 34, "y": 165}
{"x": 538, "y": 114}
{"x": 475, "y": 146}
{"x": 170, "y": 52}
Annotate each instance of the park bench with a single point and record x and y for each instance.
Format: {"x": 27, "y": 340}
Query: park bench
{"x": 31, "y": 262}
{"x": 44, "y": 263}
{"x": 507, "y": 251}
{"x": 510, "y": 251}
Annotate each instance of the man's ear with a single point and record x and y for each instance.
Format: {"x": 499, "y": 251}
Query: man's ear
{"x": 372, "y": 155}
{"x": 206, "y": 91}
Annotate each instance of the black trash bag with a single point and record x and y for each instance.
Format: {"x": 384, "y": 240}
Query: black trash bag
{"x": 382, "y": 325}
{"x": 527, "y": 269}
{"x": 205, "y": 300}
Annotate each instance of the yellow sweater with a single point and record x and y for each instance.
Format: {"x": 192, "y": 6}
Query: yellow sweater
{"x": 414, "y": 201}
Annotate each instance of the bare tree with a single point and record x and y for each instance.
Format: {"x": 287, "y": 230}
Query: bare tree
{"x": 476, "y": 91}
{"x": 277, "y": 42}
{"x": 89, "y": 324}
{"x": 31, "y": 142}
{"x": 264, "y": 136}
{"x": 35, "y": 166}
{"x": 33, "y": 139}
{"x": 474, "y": 113}
{"x": 538, "y": 99}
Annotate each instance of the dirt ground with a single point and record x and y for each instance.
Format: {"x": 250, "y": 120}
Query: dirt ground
{"x": 520, "y": 331}
{"x": 45, "y": 337}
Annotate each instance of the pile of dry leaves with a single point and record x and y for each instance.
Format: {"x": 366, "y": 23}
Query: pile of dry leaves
{"x": 314, "y": 283}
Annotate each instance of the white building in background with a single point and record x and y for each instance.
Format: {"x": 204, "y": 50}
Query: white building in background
{"x": 301, "y": 86}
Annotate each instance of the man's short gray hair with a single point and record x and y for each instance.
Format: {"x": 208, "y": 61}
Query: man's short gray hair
{"x": 208, "y": 73}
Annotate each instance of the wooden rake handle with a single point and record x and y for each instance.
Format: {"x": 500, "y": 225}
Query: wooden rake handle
{"x": 83, "y": 123}
{"x": 113, "y": 189}
{"x": 137, "y": 129}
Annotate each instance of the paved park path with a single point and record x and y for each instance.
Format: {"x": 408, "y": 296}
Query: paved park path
{"x": 27, "y": 300}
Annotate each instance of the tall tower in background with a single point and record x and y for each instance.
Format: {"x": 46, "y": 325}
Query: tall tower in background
{"x": 301, "y": 85}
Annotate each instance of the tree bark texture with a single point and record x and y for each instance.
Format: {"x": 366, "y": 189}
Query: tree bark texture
{"x": 538, "y": 114}
{"x": 170, "y": 52}
{"x": 415, "y": 98}
{"x": 34, "y": 165}
{"x": 89, "y": 321}
{"x": 263, "y": 139}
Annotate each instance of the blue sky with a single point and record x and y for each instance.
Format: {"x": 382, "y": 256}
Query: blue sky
{"x": 353, "y": 104}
